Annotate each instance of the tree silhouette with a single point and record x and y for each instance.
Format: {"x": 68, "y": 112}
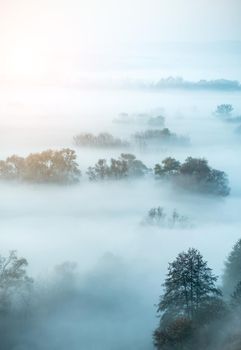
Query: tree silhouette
{"x": 232, "y": 271}
{"x": 189, "y": 284}
{"x": 194, "y": 175}
{"x": 189, "y": 289}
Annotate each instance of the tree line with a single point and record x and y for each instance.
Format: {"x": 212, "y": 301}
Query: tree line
{"x": 102, "y": 140}
{"x": 53, "y": 166}
{"x": 149, "y": 137}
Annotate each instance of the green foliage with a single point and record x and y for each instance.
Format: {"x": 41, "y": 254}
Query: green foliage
{"x": 194, "y": 175}
{"x": 232, "y": 271}
{"x": 48, "y": 167}
{"x": 212, "y": 311}
{"x": 124, "y": 167}
{"x": 175, "y": 335}
{"x": 170, "y": 166}
{"x": 189, "y": 284}
{"x": 236, "y": 296}
{"x": 191, "y": 302}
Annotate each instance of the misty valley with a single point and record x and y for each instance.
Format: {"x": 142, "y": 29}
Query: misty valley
{"x": 120, "y": 230}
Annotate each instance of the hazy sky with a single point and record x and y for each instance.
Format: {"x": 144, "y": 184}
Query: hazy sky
{"x": 36, "y": 35}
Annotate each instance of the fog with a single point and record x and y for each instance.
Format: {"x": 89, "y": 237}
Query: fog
{"x": 105, "y": 297}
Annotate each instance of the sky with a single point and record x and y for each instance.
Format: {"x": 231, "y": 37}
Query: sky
{"x": 37, "y": 37}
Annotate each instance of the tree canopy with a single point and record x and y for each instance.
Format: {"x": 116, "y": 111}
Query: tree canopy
{"x": 189, "y": 284}
{"x": 102, "y": 140}
{"x": 224, "y": 109}
{"x": 13, "y": 278}
{"x": 232, "y": 270}
{"x": 125, "y": 166}
{"x": 159, "y": 137}
{"x": 193, "y": 174}
{"x": 48, "y": 167}
{"x": 189, "y": 289}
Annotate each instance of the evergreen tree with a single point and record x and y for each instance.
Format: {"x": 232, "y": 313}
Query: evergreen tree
{"x": 232, "y": 271}
{"x": 189, "y": 284}
{"x": 236, "y": 297}
{"x": 189, "y": 290}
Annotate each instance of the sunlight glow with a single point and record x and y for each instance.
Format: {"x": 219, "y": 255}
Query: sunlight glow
{"x": 26, "y": 63}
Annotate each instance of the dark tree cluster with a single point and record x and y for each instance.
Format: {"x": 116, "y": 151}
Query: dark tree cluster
{"x": 232, "y": 272}
{"x": 102, "y": 140}
{"x": 159, "y": 218}
{"x": 224, "y": 112}
{"x": 193, "y": 174}
{"x": 125, "y": 166}
{"x": 46, "y": 167}
{"x": 224, "y": 109}
{"x": 159, "y": 137}
{"x": 158, "y": 121}
{"x": 193, "y": 312}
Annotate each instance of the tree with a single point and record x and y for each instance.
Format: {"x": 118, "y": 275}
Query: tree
{"x": 224, "y": 110}
{"x": 118, "y": 168}
{"x": 157, "y": 121}
{"x": 236, "y": 297}
{"x": 189, "y": 284}
{"x": 232, "y": 271}
{"x": 11, "y": 168}
{"x": 189, "y": 291}
{"x": 125, "y": 166}
{"x": 201, "y": 176}
{"x": 135, "y": 167}
{"x": 170, "y": 166}
{"x": 195, "y": 166}
{"x": 103, "y": 139}
{"x": 215, "y": 310}
{"x": 52, "y": 166}
{"x": 158, "y": 217}
{"x": 48, "y": 166}
{"x": 174, "y": 336}
{"x": 160, "y": 136}
{"x": 99, "y": 171}
{"x": 194, "y": 174}
{"x": 14, "y": 280}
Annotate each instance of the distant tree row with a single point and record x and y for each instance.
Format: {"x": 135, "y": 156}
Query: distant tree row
{"x": 194, "y": 174}
{"x": 102, "y": 140}
{"x": 193, "y": 312}
{"x": 151, "y": 137}
{"x": 160, "y": 137}
{"x": 140, "y": 118}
